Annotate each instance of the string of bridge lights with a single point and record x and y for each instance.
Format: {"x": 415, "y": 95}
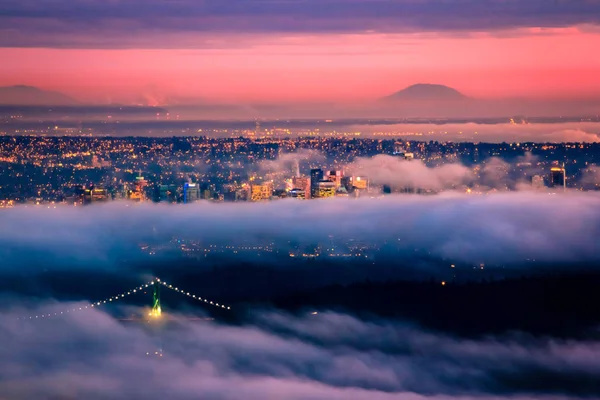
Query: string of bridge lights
{"x": 121, "y": 296}
{"x": 193, "y": 296}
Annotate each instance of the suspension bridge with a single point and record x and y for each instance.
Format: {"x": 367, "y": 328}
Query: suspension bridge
{"x": 155, "y": 311}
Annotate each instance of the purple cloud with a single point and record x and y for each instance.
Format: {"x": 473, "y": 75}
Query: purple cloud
{"x": 324, "y": 356}
{"x": 96, "y": 23}
{"x": 502, "y": 229}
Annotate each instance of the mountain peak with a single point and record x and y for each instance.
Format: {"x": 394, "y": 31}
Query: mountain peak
{"x": 24, "y": 95}
{"x": 21, "y": 87}
{"x": 427, "y": 92}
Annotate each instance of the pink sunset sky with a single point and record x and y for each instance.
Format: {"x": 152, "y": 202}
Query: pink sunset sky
{"x": 138, "y": 64}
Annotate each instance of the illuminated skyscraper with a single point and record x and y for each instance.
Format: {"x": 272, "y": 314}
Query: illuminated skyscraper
{"x": 302, "y": 183}
{"x": 94, "y": 194}
{"x": 359, "y": 182}
{"x": 558, "y": 178}
{"x": 335, "y": 177}
{"x": 316, "y": 175}
{"x": 191, "y": 192}
{"x": 261, "y": 192}
{"x": 355, "y": 185}
{"x": 139, "y": 191}
{"x": 297, "y": 194}
{"x": 324, "y": 188}
{"x": 208, "y": 191}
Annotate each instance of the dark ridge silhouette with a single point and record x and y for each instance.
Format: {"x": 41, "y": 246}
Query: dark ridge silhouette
{"x": 427, "y": 92}
{"x": 552, "y": 305}
{"x": 32, "y": 96}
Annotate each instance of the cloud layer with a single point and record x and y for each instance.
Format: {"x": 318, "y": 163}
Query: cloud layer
{"x": 587, "y": 132}
{"x": 323, "y": 356}
{"x": 388, "y": 170}
{"x": 501, "y": 229}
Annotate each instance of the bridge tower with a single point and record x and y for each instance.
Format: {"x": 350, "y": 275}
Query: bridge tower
{"x": 156, "y": 310}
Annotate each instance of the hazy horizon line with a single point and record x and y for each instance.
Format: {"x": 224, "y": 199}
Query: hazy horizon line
{"x": 174, "y": 100}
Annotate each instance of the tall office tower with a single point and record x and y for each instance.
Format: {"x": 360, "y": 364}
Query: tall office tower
{"x": 261, "y": 192}
{"x": 360, "y": 182}
{"x": 207, "y": 191}
{"x": 316, "y": 175}
{"x": 558, "y": 178}
{"x": 302, "y": 183}
{"x": 537, "y": 182}
{"x": 94, "y": 194}
{"x": 120, "y": 191}
{"x": 324, "y": 188}
{"x": 335, "y": 177}
{"x": 139, "y": 191}
{"x": 297, "y": 194}
{"x": 355, "y": 184}
{"x": 191, "y": 192}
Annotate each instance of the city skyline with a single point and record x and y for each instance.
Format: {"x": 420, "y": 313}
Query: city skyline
{"x": 76, "y": 170}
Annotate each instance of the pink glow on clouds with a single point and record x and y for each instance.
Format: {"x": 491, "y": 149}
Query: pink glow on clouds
{"x": 533, "y": 62}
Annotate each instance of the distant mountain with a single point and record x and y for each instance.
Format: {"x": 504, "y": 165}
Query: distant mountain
{"x": 426, "y": 92}
{"x": 32, "y": 96}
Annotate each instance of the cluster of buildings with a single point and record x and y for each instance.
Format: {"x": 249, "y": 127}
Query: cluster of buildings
{"x": 556, "y": 179}
{"x": 136, "y": 191}
{"x": 323, "y": 184}
{"x": 320, "y": 184}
